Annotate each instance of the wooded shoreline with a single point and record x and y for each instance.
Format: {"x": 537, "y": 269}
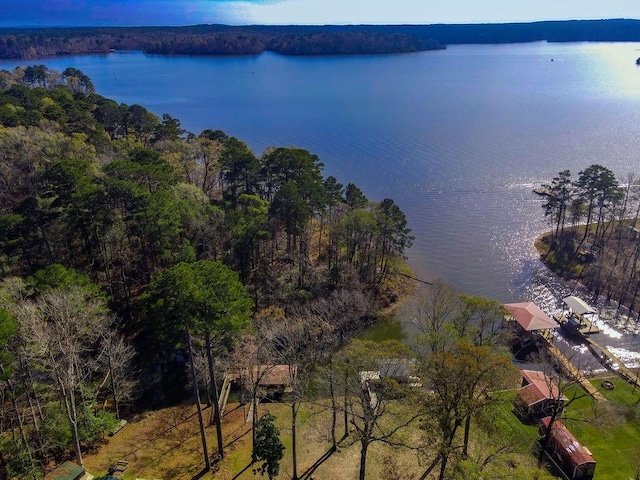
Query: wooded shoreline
{"x": 31, "y": 43}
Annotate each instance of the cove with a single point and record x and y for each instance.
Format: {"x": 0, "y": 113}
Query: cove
{"x": 458, "y": 138}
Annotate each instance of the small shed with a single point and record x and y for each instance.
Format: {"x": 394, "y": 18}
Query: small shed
{"x": 575, "y": 459}
{"x": 539, "y": 396}
{"x": 67, "y": 471}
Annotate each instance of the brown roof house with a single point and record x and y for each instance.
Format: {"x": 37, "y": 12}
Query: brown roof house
{"x": 273, "y": 380}
{"x": 575, "y": 460}
{"x": 539, "y": 396}
{"x": 68, "y": 471}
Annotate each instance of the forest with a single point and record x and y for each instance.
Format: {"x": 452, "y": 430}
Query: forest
{"x": 594, "y": 232}
{"x": 105, "y": 208}
{"x": 23, "y": 43}
{"x": 207, "y": 40}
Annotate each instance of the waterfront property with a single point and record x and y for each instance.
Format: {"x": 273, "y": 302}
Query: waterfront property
{"x": 529, "y": 326}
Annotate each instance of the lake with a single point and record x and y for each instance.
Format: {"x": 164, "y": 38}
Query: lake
{"x": 458, "y": 138}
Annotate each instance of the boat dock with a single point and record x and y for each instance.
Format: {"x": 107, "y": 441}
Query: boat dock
{"x": 578, "y": 325}
{"x": 573, "y": 371}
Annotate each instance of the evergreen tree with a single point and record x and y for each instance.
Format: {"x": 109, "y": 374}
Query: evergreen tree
{"x": 268, "y": 448}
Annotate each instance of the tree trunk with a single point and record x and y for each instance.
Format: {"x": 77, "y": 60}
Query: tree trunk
{"x": 196, "y": 393}
{"x": 294, "y": 453}
{"x": 545, "y": 441}
{"x": 113, "y": 386}
{"x": 214, "y": 388}
{"x": 467, "y": 427}
{"x": 346, "y": 399}
{"x": 431, "y": 467}
{"x": 74, "y": 426}
{"x": 334, "y": 413}
{"x": 68, "y": 399}
{"x": 363, "y": 460}
{"x": 443, "y": 466}
{"x": 18, "y": 416}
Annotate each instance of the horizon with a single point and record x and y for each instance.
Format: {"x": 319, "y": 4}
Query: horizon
{"x": 172, "y": 13}
{"x": 64, "y": 26}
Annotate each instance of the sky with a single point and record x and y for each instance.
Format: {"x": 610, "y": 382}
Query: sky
{"x": 285, "y": 12}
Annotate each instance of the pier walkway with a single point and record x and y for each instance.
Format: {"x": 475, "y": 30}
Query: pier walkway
{"x": 573, "y": 372}
{"x": 609, "y": 359}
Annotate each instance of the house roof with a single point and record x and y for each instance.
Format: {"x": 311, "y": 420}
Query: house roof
{"x": 569, "y": 447}
{"x": 578, "y": 305}
{"x": 66, "y": 471}
{"x": 530, "y": 317}
{"x": 539, "y": 388}
{"x": 273, "y": 375}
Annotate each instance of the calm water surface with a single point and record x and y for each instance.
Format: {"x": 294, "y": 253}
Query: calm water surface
{"x": 457, "y": 138}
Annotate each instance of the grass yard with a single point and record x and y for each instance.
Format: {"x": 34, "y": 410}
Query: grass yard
{"x": 611, "y": 433}
{"x": 166, "y": 444}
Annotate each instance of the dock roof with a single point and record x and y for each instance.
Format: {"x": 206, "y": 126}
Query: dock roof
{"x": 274, "y": 375}
{"x": 530, "y": 317}
{"x": 578, "y": 305}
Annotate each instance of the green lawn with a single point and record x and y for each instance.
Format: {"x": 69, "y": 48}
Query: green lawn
{"x": 611, "y": 430}
{"x": 612, "y": 433}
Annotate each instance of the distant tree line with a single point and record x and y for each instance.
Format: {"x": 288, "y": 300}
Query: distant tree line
{"x": 206, "y": 40}
{"x": 594, "y": 231}
{"x": 20, "y": 43}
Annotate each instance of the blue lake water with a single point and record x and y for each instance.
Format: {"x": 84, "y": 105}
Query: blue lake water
{"x": 457, "y": 138}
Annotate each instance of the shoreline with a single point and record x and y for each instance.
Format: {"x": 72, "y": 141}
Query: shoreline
{"x": 610, "y": 313}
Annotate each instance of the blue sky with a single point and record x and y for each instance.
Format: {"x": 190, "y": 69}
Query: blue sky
{"x": 234, "y": 12}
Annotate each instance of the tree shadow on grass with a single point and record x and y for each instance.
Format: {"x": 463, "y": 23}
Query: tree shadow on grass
{"x": 200, "y": 474}
{"x": 307, "y": 474}
{"x": 237, "y": 438}
{"x": 242, "y": 471}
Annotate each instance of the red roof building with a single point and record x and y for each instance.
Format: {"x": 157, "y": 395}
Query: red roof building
{"x": 576, "y": 460}
{"x": 530, "y": 317}
{"x": 539, "y": 396}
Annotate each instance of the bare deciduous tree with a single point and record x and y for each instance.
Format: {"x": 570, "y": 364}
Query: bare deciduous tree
{"x": 63, "y": 330}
